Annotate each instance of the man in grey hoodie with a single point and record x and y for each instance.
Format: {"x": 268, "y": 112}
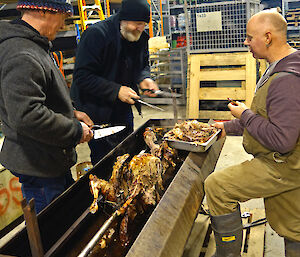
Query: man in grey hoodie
{"x": 270, "y": 130}
{"x": 37, "y": 115}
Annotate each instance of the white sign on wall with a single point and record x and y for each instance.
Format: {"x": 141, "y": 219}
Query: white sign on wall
{"x": 209, "y": 21}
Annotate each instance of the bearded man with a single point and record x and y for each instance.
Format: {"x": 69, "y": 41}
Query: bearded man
{"x": 112, "y": 60}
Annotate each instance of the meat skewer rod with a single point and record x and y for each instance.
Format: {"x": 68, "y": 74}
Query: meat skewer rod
{"x": 70, "y": 231}
{"x": 174, "y": 107}
{"x": 108, "y": 222}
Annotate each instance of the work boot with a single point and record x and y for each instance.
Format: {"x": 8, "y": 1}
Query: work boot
{"x": 292, "y": 248}
{"x": 228, "y": 231}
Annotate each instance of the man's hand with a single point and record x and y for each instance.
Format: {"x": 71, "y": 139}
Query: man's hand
{"x": 237, "y": 110}
{"x": 126, "y": 94}
{"x": 82, "y": 116}
{"x": 220, "y": 125}
{"x": 149, "y": 86}
{"x": 87, "y": 133}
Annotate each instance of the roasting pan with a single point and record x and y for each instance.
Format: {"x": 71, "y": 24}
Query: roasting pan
{"x": 166, "y": 230}
{"x": 192, "y": 147}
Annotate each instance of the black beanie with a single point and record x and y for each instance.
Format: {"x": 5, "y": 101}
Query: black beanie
{"x": 135, "y": 10}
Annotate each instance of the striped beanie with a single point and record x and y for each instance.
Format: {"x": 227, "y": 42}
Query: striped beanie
{"x": 62, "y": 6}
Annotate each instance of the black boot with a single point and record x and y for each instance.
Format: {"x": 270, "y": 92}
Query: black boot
{"x": 228, "y": 231}
{"x": 292, "y": 248}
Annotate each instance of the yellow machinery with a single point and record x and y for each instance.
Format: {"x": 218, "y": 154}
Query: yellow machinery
{"x": 156, "y": 10}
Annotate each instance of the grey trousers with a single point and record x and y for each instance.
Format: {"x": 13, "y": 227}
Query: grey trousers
{"x": 259, "y": 178}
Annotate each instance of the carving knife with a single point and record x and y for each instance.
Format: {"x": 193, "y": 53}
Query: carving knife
{"x": 104, "y": 132}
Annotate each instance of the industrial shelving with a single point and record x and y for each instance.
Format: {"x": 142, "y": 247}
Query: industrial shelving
{"x": 291, "y": 10}
{"x": 169, "y": 70}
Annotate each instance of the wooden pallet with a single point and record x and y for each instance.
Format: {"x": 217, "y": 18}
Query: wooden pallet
{"x": 219, "y": 67}
{"x": 201, "y": 242}
{"x": 291, "y": 12}
{"x": 295, "y": 44}
{"x": 293, "y": 17}
{"x": 295, "y": 23}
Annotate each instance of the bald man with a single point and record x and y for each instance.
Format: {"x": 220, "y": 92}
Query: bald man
{"x": 270, "y": 130}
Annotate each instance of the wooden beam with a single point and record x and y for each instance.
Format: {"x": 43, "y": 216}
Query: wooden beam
{"x": 221, "y": 93}
{"x": 257, "y": 235}
{"x": 219, "y": 74}
{"x": 194, "y": 87}
{"x": 250, "y": 78}
{"x": 222, "y": 59}
{"x": 216, "y": 115}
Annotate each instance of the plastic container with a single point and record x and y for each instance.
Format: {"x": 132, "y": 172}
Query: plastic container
{"x": 173, "y": 22}
{"x": 181, "y": 21}
{"x": 82, "y": 168}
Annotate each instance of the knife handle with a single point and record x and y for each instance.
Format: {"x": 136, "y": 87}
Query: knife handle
{"x": 148, "y": 90}
{"x": 232, "y": 101}
{"x": 95, "y": 126}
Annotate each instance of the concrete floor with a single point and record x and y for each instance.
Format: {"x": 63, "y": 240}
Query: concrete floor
{"x": 232, "y": 153}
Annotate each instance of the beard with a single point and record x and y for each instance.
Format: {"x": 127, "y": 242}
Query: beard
{"x": 131, "y": 36}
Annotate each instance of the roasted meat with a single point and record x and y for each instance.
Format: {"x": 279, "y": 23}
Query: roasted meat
{"x": 137, "y": 182}
{"x": 191, "y": 131}
{"x": 166, "y": 154}
{"x": 109, "y": 189}
{"x": 140, "y": 179}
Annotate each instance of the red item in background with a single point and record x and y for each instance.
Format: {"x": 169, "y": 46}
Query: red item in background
{"x": 181, "y": 41}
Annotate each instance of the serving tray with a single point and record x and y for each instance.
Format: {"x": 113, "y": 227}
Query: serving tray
{"x": 192, "y": 147}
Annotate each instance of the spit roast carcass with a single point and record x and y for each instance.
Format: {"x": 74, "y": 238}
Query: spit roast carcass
{"x": 140, "y": 177}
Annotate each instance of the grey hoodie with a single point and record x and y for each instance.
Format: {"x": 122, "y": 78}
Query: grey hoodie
{"x": 37, "y": 115}
{"x": 281, "y": 130}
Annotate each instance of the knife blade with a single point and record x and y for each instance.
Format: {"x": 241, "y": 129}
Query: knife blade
{"x": 149, "y": 105}
{"x": 104, "y": 132}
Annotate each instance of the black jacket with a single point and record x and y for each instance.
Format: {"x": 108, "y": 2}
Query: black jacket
{"x": 36, "y": 111}
{"x": 94, "y": 89}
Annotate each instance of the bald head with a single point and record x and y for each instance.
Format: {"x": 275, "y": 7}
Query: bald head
{"x": 266, "y": 36}
{"x": 271, "y": 21}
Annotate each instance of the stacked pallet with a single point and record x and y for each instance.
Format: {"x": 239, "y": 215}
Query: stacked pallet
{"x": 293, "y": 19}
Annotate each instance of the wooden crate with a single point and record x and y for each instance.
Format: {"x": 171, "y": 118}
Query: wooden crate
{"x": 240, "y": 66}
{"x": 201, "y": 242}
{"x": 293, "y": 17}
